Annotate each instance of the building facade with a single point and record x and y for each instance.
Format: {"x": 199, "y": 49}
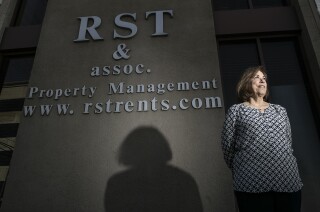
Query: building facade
{"x": 318, "y": 5}
{"x": 78, "y": 78}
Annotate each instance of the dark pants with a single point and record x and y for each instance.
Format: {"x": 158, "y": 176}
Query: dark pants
{"x": 269, "y": 201}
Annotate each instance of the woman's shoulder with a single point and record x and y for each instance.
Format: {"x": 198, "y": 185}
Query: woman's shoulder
{"x": 235, "y": 107}
{"x": 278, "y": 108}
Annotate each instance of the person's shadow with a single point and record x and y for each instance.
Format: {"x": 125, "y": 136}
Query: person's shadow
{"x": 150, "y": 184}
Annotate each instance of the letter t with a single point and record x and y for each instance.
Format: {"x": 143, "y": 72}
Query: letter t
{"x": 159, "y": 21}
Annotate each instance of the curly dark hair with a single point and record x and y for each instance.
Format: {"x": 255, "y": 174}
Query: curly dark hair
{"x": 244, "y": 87}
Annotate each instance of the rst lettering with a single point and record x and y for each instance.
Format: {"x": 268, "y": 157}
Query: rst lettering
{"x": 89, "y": 25}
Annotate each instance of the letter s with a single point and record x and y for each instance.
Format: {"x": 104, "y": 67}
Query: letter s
{"x": 126, "y": 25}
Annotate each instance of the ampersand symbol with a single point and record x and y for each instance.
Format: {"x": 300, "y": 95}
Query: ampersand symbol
{"x": 121, "y": 53}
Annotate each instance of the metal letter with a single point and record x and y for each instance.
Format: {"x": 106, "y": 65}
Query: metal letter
{"x": 159, "y": 21}
{"x": 84, "y": 28}
{"x": 126, "y": 25}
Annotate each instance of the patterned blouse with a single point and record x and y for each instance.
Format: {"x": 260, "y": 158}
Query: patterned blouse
{"x": 257, "y": 148}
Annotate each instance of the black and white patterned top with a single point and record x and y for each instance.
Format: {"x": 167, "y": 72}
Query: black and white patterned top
{"x": 257, "y": 147}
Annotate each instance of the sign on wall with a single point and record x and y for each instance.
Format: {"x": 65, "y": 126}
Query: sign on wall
{"x": 122, "y": 94}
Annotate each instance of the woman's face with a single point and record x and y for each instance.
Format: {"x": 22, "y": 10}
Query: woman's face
{"x": 259, "y": 84}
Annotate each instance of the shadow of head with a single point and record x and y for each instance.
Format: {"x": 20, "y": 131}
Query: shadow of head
{"x": 150, "y": 184}
{"x": 145, "y": 146}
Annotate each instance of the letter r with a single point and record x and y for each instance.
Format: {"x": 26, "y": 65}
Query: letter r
{"x": 84, "y": 28}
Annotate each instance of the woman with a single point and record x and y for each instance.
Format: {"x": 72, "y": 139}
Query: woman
{"x": 256, "y": 142}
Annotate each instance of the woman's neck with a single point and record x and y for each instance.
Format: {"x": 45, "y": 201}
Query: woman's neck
{"x": 257, "y": 102}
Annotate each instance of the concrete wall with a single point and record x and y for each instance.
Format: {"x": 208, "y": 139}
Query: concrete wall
{"x": 310, "y": 23}
{"x": 63, "y": 162}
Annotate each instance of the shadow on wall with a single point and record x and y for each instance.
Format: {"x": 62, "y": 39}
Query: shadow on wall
{"x": 150, "y": 184}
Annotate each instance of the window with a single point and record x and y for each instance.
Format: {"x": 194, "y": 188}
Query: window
{"x": 235, "y": 56}
{"x": 30, "y": 12}
{"x": 279, "y": 56}
{"x": 17, "y": 69}
{"x": 246, "y": 4}
{"x": 7, "y": 133}
{"x": 268, "y": 3}
{"x": 11, "y": 105}
{"x": 282, "y": 62}
{"x": 230, "y": 4}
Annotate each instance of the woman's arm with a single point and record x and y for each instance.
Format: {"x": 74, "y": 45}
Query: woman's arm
{"x": 228, "y": 135}
{"x": 288, "y": 126}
